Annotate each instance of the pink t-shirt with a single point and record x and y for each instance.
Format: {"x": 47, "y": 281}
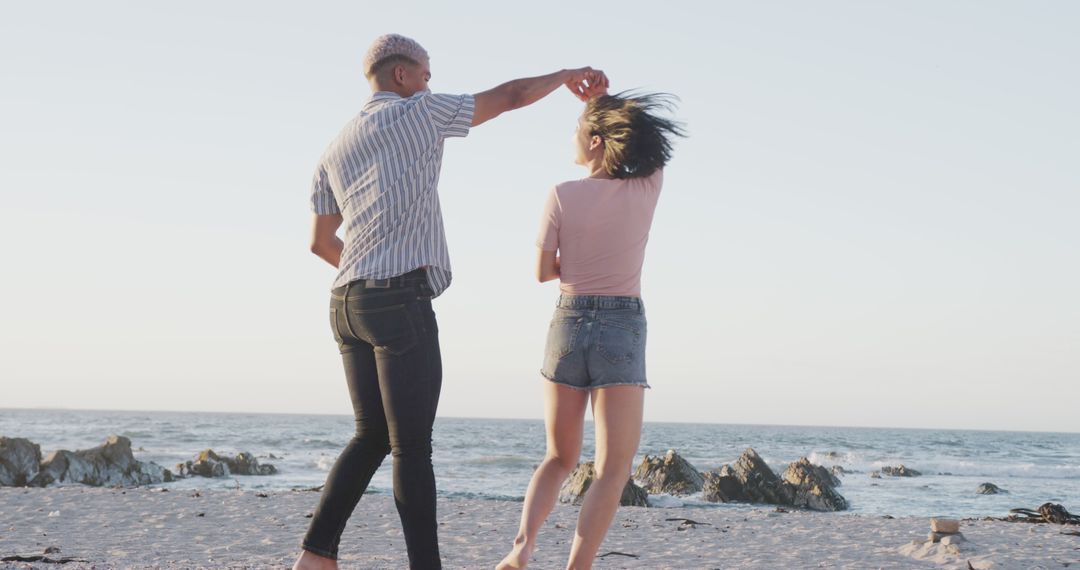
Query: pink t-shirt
{"x": 600, "y": 228}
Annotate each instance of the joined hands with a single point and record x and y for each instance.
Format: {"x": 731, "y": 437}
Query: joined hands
{"x": 586, "y": 83}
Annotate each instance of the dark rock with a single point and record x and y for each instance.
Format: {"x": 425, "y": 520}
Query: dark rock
{"x": 812, "y": 487}
{"x": 573, "y": 491}
{"x": 989, "y": 489}
{"x": 210, "y": 464}
{"x": 669, "y": 474}
{"x": 759, "y": 482}
{"x": 110, "y": 464}
{"x": 245, "y": 464}
{"x": 206, "y": 464}
{"x": 20, "y": 461}
{"x": 65, "y": 466}
{"x": 901, "y": 471}
{"x": 875, "y": 475}
{"x": 804, "y": 485}
{"x": 723, "y": 487}
{"x": 837, "y": 472}
{"x": 821, "y": 472}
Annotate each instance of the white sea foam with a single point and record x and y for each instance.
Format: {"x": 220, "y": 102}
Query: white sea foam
{"x": 324, "y": 462}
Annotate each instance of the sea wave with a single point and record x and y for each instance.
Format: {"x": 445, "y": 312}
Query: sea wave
{"x": 946, "y": 466}
{"x": 324, "y": 462}
{"x": 503, "y": 461}
{"x": 484, "y": 496}
{"x": 316, "y": 442}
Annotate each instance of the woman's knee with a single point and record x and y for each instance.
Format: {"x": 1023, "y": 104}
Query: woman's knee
{"x": 565, "y": 462}
{"x": 613, "y": 470}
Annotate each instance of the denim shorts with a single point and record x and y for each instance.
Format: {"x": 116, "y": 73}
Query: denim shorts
{"x": 596, "y": 341}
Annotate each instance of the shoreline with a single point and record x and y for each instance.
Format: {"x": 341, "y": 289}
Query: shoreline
{"x": 152, "y": 528}
{"x": 493, "y": 460}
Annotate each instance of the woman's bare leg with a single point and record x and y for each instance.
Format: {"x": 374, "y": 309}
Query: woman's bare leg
{"x": 564, "y": 419}
{"x": 617, "y": 412}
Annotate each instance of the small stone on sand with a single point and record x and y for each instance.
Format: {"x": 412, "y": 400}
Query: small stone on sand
{"x": 945, "y": 525}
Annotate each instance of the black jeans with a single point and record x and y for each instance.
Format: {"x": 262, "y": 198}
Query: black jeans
{"x": 389, "y": 343}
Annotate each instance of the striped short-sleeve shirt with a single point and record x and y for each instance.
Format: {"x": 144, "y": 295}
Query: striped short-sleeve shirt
{"x": 381, "y": 174}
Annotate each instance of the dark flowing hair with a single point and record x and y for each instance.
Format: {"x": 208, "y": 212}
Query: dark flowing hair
{"x": 637, "y": 140}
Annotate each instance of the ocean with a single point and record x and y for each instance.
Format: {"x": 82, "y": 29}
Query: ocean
{"x": 494, "y": 458}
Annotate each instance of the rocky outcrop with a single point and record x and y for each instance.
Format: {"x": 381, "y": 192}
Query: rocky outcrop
{"x": 901, "y": 471}
{"x": 210, "y": 464}
{"x": 759, "y": 482}
{"x": 245, "y": 464}
{"x": 804, "y": 485}
{"x": 722, "y": 486}
{"x": 573, "y": 491}
{"x": 669, "y": 474}
{"x": 110, "y": 464}
{"x": 989, "y": 489}
{"x": 828, "y": 475}
{"x": 20, "y": 461}
{"x": 813, "y": 487}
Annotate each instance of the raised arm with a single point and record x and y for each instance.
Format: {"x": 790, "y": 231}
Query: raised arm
{"x": 524, "y": 92}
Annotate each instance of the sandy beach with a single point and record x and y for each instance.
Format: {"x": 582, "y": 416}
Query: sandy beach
{"x": 152, "y": 528}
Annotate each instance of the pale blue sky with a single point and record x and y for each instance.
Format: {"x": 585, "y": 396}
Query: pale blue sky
{"x": 874, "y": 221}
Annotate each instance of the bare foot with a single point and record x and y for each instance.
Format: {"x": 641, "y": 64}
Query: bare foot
{"x": 518, "y": 557}
{"x": 312, "y": 561}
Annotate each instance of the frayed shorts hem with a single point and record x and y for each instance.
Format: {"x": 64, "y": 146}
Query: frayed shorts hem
{"x": 590, "y": 388}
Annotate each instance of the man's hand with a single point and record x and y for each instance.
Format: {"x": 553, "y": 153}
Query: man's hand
{"x": 595, "y": 91}
{"x": 586, "y": 83}
{"x": 583, "y": 83}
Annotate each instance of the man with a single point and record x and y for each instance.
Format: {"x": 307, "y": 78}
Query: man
{"x": 379, "y": 180}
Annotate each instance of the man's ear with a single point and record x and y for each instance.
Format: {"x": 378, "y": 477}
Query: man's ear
{"x": 596, "y": 142}
{"x": 399, "y": 74}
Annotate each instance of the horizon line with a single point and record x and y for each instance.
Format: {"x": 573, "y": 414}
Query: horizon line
{"x": 129, "y": 410}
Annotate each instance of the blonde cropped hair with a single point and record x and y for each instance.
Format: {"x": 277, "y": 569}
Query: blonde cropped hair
{"x": 392, "y": 48}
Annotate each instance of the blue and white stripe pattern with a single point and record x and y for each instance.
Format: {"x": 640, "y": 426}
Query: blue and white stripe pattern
{"x": 381, "y": 174}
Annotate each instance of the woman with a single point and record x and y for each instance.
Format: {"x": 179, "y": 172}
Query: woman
{"x": 592, "y": 239}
